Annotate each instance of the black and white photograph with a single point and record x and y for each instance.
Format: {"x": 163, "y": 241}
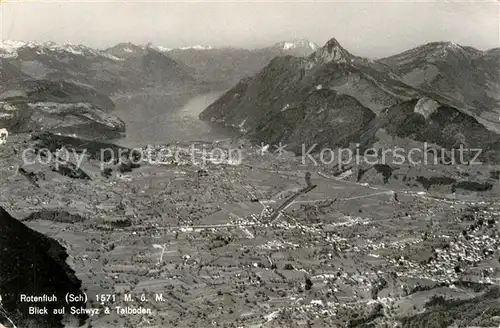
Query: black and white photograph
{"x": 249, "y": 164}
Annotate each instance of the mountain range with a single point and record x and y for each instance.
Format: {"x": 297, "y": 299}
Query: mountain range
{"x": 293, "y": 91}
{"x": 390, "y": 253}
{"x": 64, "y": 88}
{"x": 226, "y": 66}
{"x": 127, "y": 67}
{"x": 120, "y": 69}
{"x": 334, "y": 98}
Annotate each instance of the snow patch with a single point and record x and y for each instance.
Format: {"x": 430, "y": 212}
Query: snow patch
{"x": 3, "y": 136}
{"x": 302, "y": 43}
{"x": 110, "y": 56}
{"x": 285, "y": 107}
{"x": 288, "y": 45}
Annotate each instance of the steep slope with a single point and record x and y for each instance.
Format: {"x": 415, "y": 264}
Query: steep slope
{"x": 330, "y": 97}
{"x": 284, "y": 104}
{"x": 465, "y": 77}
{"x": 34, "y": 265}
{"x": 287, "y": 81}
{"x": 227, "y": 66}
{"x": 330, "y": 67}
{"x": 333, "y": 67}
{"x": 489, "y": 66}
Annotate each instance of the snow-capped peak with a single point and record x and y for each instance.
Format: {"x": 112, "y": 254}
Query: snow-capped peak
{"x": 161, "y": 48}
{"x": 294, "y": 44}
{"x": 10, "y": 48}
{"x": 443, "y": 49}
{"x": 453, "y": 45}
{"x": 196, "y": 47}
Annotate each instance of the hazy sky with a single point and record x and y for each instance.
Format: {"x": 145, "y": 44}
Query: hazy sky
{"x": 365, "y": 28}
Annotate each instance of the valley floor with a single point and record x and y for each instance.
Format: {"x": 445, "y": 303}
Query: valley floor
{"x": 210, "y": 242}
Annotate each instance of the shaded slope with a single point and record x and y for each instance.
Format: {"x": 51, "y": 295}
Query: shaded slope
{"x": 426, "y": 120}
{"x": 32, "y": 264}
{"x": 479, "y": 311}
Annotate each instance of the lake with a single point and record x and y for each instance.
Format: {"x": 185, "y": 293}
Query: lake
{"x": 162, "y": 119}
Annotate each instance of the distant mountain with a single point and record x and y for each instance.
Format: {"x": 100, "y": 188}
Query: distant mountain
{"x": 11, "y": 49}
{"x": 157, "y": 67}
{"x": 77, "y": 64}
{"x": 34, "y": 265}
{"x": 465, "y": 77}
{"x": 333, "y": 98}
{"x": 227, "y": 66}
{"x": 126, "y": 50}
{"x": 196, "y": 47}
{"x": 10, "y": 73}
{"x": 120, "y": 69}
{"x": 298, "y": 48}
{"x": 127, "y": 67}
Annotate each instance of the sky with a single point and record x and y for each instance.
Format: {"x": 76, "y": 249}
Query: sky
{"x": 371, "y": 29}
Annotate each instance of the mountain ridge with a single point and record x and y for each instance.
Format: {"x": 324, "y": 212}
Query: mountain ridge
{"x": 286, "y": 82}
{"x": 120, "y": 69}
